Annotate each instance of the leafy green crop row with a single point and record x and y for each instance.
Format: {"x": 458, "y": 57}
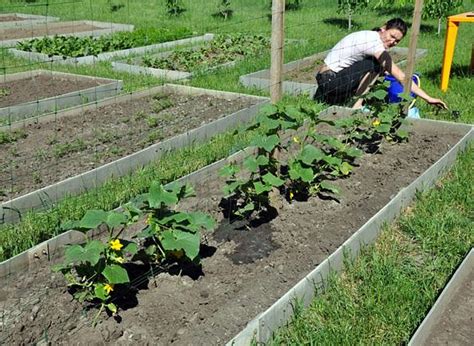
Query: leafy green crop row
{"x": 222, "y": 49}
{"x": 70, "y": 46}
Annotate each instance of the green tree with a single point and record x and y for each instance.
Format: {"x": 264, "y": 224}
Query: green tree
{"x": 350, "y": 7}
{"x": 174, "y": 7}
{"x": 439, "y": 9}
{"x": 223, "y": 10}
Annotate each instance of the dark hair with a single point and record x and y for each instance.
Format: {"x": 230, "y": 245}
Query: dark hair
{"x": 395, "y": 23}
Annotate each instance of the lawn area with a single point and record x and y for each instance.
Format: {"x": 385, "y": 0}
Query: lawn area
{"x": 384, "y": 295}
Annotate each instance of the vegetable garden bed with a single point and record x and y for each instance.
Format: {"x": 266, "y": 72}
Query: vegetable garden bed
{"x": 83, "y": 53}
{"x": 30, "y": 94}
{"x": 299, "y": 76}
{"x": 91, "y": 139}
{"x": 450, "y": 319}
{"x": 220, "y": 51}
{"x": 11, "y": 36}
{"x": 245, "y": 267}
{"x": 12, "y": 20}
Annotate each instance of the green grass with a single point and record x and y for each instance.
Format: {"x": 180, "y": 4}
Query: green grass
{"x": 383, "y": 296}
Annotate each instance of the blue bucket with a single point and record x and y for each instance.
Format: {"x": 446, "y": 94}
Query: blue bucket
{"x": 396, "y": 88}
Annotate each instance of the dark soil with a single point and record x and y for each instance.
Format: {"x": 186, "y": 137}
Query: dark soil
{"x": 46, "y": 29}
{"x": 249, "y": 270}
{"x": 50, "y": 152}
{"x": 306, "y": 73}
{"x": 11, "y": 19}
{"x": 455, "y": 323}
{"x": 41, "y": 87}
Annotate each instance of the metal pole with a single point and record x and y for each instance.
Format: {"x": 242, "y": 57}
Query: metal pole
{"x": 278, "y": 10}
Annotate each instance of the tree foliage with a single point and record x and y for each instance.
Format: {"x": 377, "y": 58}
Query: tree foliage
{"x": 174, "y": 7}
{"x": 439, "y": 9}
{"x": 350, "y": 7}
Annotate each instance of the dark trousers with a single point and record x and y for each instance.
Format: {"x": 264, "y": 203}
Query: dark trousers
{"x": 338, "y": 88}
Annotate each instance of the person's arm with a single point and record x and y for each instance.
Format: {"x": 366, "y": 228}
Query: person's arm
{"x": 392, "y": 68}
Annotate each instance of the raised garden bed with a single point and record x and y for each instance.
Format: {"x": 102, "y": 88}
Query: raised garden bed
{"x": 245, "y": 269}
{"x": 104, "y": 56}
{"x": 88, "y": 145}
{"x": 219, "y": 51}
{"x": 13, "y": 20}
{"x": 299, "y": 76}
{"x": 10, "y": 36}
{"x": 30, "y": 94}
{"x": 450, "y": 319}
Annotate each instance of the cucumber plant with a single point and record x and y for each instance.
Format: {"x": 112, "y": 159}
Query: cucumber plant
{"x": 169, "y": 234}
{"x": 94, "y": 269}
{"x": 384, "y": 121}
{"x": 248, "y": 190}
{"x": 319, "y": 160}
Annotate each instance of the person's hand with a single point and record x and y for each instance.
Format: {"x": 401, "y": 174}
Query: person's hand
{"x": 437, "y": 103}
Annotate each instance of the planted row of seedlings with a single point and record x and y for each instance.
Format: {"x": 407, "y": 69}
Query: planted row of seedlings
{"x": 11, "y": 36}
{"x": 291, "y": 201}
{"x": 88, "y": 49}
{"x": 220, "y": 51}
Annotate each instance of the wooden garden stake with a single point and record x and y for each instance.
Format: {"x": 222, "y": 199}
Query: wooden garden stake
{"x": 278, "y": 10}
{"x": 415, "y": 30}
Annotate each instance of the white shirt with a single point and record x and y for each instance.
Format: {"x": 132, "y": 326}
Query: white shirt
{"x": 352, "y": 48}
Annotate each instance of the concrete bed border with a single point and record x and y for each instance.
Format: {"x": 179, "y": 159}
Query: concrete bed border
{"x": 261, "y": 328}
{"x": 11, "y": 210}
{"x": 424, "y": 330}
{"x": 33, "y": 109}
{"x": 29, "y": 19}
{"x": 104, "y": 28}
{"x": 91, "y": 59}
{"x": 261, "y": 79}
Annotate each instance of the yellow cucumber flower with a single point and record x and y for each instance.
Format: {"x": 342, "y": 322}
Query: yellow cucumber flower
{"x": 116, "y": 245}
{"x": 108, "y": 288}
{"x": 376, "y": 122}
{"x": 296, "y": 139}
{"x": 291, "y": 195}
